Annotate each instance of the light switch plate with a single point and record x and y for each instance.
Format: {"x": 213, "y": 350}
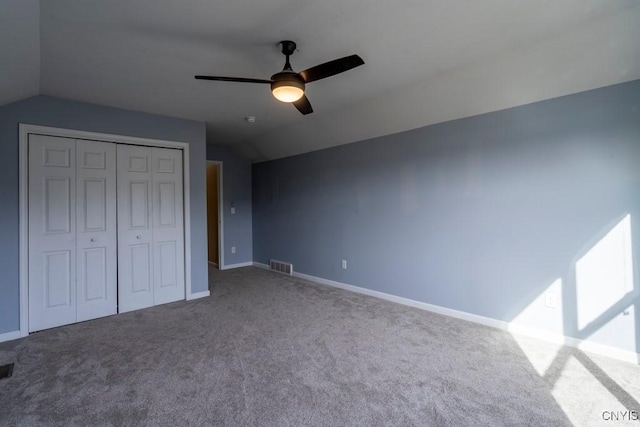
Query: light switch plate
{"x": 550, "y": 300}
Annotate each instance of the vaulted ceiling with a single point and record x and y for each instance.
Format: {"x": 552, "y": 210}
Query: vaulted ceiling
{"x": 426, "y": 61}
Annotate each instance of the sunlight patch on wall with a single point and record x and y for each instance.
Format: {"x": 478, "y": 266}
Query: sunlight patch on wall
{"x": 604, "y": 275}
{"x": 545, "y": 311}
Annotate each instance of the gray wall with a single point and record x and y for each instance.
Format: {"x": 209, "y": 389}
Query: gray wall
{"x": 480, "y": 214}
{"x": 47, "y": 111}
{"x": 19, "y": 50}
{"x": 237, "y": 191}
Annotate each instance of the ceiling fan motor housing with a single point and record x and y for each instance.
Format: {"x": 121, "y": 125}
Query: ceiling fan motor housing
{"x": 287, "y": 81}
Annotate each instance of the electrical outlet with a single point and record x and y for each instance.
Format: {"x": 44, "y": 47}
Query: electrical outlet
{"x": 233, "y": 249}
{"x": 550, "y": 300}
{"x": 344, "y": 264}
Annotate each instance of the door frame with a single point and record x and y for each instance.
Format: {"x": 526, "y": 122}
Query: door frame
{"x": 23, "y": 155}
{"x": 220, "y": 213}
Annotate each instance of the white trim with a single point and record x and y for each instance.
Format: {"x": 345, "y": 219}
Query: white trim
{"x": 584, "y": 345}
{"x": 9, "y": 336}
{"x": 601, "y": 349}
{"x": 186, "y": 191}
{"x": 220, "y": 213}
{"x": 24, "y": 131}
{"x": 197, "y": 295}
{"x": 238, "y": 265}
{"x": 96, "y": 136}
{"x": 23, "y": 156}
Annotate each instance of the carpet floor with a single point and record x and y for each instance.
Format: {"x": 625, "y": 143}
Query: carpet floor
{"x": 271, "y": 350}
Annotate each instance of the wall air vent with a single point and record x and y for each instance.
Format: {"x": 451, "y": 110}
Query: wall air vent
{"x": 281, "y": 267}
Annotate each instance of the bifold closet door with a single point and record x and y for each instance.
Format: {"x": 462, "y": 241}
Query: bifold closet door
{"x": 52, "y": 232}
{"x": 150, "y": 227}
{"x": 135, "y": 239}
{"x": 168, "y": 225}
{"x": 72, "y": 231}
{"x": 96, "y": 230}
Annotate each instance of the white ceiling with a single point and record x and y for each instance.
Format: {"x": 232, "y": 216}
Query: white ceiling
{"x": 426, "y": 60}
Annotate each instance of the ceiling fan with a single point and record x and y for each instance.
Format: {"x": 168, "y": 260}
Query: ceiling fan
{"x": 288, "y": 86}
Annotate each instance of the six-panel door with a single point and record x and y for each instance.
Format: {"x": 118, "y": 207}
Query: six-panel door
{"x": 52, "y": 232}
{"x": 135, "y": 235}
{"x": 168, "y": 225}
{"x": 96, "y": 229}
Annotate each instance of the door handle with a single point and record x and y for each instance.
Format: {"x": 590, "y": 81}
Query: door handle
{"x": 138, "y": 237}
{"x": 93, "y": 239}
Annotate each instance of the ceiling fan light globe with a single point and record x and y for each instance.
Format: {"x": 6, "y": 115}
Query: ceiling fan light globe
{"x": 287, "y": 87}
{"x": 287, "y": 93}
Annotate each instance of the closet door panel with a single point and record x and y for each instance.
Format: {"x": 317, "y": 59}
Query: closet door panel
{"x": 96, "y": 229}
{"x": 168, "y": 225}
{"x": 52, "y": 232}
{"x": 135, "y": 234}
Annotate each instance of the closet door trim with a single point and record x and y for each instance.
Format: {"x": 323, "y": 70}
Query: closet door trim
{"x": 24, "y": 131}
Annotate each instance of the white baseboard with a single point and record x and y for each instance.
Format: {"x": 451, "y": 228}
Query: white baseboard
{"x": 197, "y": 295}
{"x": 601, "y": 349}
{"x": 215, "y": 264}
{"x": 238, "y": 265}
{"x": 9, "y": 336}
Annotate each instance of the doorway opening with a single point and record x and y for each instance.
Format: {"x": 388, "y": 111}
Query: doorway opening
{"x": 215, "y": 232}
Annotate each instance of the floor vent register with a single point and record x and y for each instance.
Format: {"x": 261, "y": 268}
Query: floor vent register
{"x": 6, "y": 371}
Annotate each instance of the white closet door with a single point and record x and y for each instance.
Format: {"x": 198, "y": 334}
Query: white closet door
{"x": 168, "y": 225}
{"x": 96, "y": 229}
{"x": 135, "y": 238}
{"x": 52, "y": 232}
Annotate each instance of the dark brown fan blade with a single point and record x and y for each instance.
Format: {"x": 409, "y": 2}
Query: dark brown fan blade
{"x": 233, "y": 79}
{"x": 330, "y": 68}
{"x": 303, "y": 105}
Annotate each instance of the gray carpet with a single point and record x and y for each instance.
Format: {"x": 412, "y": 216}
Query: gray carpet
{"x": 267, "y": 349}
